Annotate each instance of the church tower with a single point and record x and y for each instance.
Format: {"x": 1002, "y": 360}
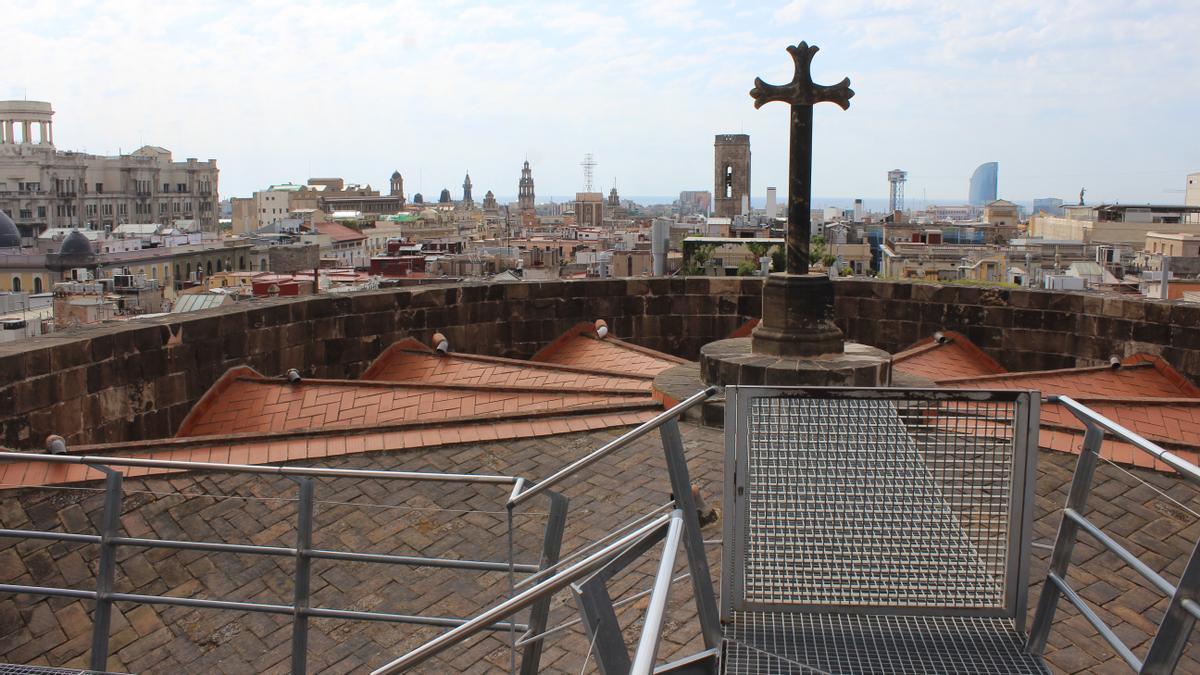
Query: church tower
{"x": 731, "y": 184}
{"x": 525, "y": 190}
{"x": 397, "y": 184}
{"x": 466, "y": 200}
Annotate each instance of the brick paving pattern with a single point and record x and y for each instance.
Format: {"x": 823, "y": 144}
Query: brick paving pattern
{"x": 464, "y": 521}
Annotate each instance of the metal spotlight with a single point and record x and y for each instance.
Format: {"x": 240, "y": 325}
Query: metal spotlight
{"x": 293, "y": 376}
{"x": 601, "y": 328}
{"x": 940, "y": 338}
{"x": 1114, "y": 362}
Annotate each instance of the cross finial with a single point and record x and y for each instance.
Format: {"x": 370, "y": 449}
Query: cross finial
{"x": 802, "y": 90}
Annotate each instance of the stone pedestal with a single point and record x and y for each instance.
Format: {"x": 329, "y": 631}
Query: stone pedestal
{"x": 735, "y": 361}
{"x": 797, "y": 317}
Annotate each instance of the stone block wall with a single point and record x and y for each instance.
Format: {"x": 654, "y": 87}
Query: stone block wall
{"x": 1022, "y": 329}
{"x": 139, "y": 379}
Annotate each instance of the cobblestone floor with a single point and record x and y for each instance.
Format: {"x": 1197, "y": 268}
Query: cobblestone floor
{"x": 466, "y": 521}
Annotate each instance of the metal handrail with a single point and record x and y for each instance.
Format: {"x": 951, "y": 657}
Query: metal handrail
{"x": 1184, "y": 609}
{"x": 1086, "y": 415}
{"x": 257, "y": 468}
{"x": 613, "y": 445}
{"x": 524, "y": 599}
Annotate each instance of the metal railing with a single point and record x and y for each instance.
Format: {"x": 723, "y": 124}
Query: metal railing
{"x": 588, "y": 577}
{"x": 301, "y": 609}
{"x": 1173, "y": 632}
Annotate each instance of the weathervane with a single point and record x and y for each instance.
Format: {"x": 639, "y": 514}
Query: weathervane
{"x": 802, "y": 93}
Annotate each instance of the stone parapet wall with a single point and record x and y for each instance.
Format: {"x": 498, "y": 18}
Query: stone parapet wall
{"x": 139, "y": 379}
{"x": 1022, "y": 329}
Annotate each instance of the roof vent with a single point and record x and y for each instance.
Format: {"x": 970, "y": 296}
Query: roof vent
{"x": 601, "y": 328}
{"x": 56, "y": 445}
{"x": 940, "y": 338}
{"x": 1114, "y": 362}
{"x": 293, "y": 376}
{"x": 440, "y": 344}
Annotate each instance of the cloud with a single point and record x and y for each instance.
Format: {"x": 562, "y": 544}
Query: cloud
{"x": 278, "y": 90}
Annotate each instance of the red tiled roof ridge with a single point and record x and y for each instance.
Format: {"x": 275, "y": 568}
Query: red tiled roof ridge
{"x": 588, "y": 330}
{"x": 639, "y": 349}
{"x": 387, "y": 384}
{"x": 1167, "y": 371}
{"x": 585, "y": 410}
{"x": 213, "y": 394}
{"x": 379, "y": 362}
{"x": 275, "y": 449}
{"x": 1138, "y": 400}
{"x": 1025, "y": 374}
{"x": 578, "y": 329}
{"x": 1165, "y": 443}
{"x": 952, "y": 337}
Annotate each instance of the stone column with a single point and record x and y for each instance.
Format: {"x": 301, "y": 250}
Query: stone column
{"x": 27, "y": 136}
{"x": 3, "y": 132}
{"x": 42, "y": 133}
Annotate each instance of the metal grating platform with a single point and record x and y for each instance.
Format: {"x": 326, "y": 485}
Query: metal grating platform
{"x": 876, "y": 503}
{"x": 793, "y": 643}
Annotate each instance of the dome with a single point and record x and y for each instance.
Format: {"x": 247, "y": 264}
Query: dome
{"x": 395, "y": 175}
{"x": 76, "y": 243}
{"x": 10, "y": 237}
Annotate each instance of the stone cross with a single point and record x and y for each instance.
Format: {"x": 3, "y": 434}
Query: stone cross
{"x": 802, "y": 94}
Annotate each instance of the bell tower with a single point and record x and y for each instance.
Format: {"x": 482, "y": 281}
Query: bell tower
{"x": 731, "y": 183}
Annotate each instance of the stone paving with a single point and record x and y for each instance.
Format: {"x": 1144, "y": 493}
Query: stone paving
{"x": 467, "y": 521}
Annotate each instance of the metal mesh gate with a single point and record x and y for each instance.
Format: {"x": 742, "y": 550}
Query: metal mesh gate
{"x": 876, "y": 530}
{"x": 877, "y": 502}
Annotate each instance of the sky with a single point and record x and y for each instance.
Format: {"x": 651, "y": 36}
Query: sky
{"x": 1064, "y": 94}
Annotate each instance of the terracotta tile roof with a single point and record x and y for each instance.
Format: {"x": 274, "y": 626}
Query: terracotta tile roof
{"x": 1139, "y": 378}
{"x": 409, "y": 360}
{"x": 246, "y": 402}
{"x": 272, "y": 448}
{"x": 1173, "y": 424}
{"x": 581, "y": 347}
{"x": 952, "y": 356}
{"x": 339, "y": 233}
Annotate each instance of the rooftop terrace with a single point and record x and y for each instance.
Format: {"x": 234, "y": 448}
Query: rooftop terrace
{"x": 529, "y": 386}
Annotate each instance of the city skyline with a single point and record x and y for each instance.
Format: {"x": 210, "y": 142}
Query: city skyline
{"x": 279, "y": 92}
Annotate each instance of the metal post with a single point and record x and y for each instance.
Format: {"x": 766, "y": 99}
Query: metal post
{"x": 110, "y": 523}
{"x": 1064, "y": 543}
{"x": 539, "y": 613}
{"x": 1176, "y": 626}
{"x": 693, "y": 539}
{"x": 647, "y": 651}
{"x": 600, "y": 624}
{"x": 300, "y": 602}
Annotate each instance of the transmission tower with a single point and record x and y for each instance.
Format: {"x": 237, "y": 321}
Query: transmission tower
{"x": 896, "y": 180}
{"x": 589, "y": 169}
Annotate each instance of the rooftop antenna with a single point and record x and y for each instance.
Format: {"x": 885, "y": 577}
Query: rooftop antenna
{"x": 589, "y": 168}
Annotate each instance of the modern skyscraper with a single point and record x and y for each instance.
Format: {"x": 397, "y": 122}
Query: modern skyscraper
{"x": 525, "y": 189}
{"x": 772, "y": 206}
{"x": 983, "y": 184}
{"x": 731, "y": 181}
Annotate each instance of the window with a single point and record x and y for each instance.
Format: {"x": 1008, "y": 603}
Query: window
{"x": 728, "y": 181}
{"x": 181, "y": 187}
{"x": 41, "y": 212}
{"x": 166, "y": 187}
{"x": 37, "y": 284}
{"x": 16, "y": 284}
{"x": 99, "y": 188}
{"x": 26, "y": 213}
